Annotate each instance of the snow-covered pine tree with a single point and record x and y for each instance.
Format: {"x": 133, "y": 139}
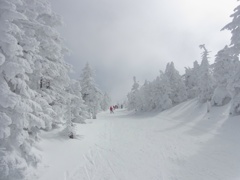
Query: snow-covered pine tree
{"x": 77, "y": 107}
{"x": 30, "y": 45}
{"x": 161, "y": 92}
{"x": 145, "y": 97}
{"x": 235, "y": 31}
{"x": 32, "y": 9}
{"x": 91, "y": 94}
{"x": 153, "y": 95}
{"x": 234, "y": 84}
{"x": 105, "y": 102}
{"x": 133, "y": 96}
{"x": 222, "y": 74}
{"x": 191, "y": 80}
{"x": 178, "y": 89}
{"x": 19, "y": 123}
{"x": 205, "y": 84}
{"x": 51, "y": 71}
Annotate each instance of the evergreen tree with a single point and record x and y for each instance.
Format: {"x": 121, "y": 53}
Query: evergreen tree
{"x": 205, "y": 85}
{"x": 235, "y": 31}
{"x": 50, "y": 74}
{"x": 105, "y": 102}
{"x": 133, "y": 96}
{"x": 52, "y": 70}
{"x": 222, "y": 74}
{"x": 33, "y": 82}
{"x": 90, "y": 93}
{"x": 162, "y": 91}
{"x": 153, "y": 95}
{"x": 234, "y": 84}
{"x": 33, "y": 9}
{"x": 77, "y": 108}
{"x": 178, "y": 90}
{"x": 19, "y": 123}
{"x": 145, "y": 97}
{"x": 191, "y": 80}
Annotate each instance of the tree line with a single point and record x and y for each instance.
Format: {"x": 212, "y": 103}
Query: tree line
{"x": 217, "y": 83}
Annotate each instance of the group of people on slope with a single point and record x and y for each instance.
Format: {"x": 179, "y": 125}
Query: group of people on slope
{"x": 112, "y": 108}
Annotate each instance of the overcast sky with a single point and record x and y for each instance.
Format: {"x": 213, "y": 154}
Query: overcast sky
{"x": 125, "y": 38}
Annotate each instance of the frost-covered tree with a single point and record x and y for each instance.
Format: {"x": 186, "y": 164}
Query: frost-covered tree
{"x": 33, "y": 81}
{"x": 91, "y": 94}
{"x": 153, "y": 95}
{"x": 50, "y": 73}
{"x": 19, "y": 122}
{"x": 191, "y": 80}
{"x": 44, "y": 50}
{"x": 105, "y": 102}
{"x": 235, "y": 31}
{"x": 234, "y": 84}
{"x": 222, "y": 73}
{"x": 31, "y": 52}
{"x": 145, "y": 97}
{"x": 161, "y": 92}
{"x": 33, "y": 9}
{"x": 76, "y": 109}
{"x": 178, "y": 89}
{"x": 52, "y": 70}
{"x": 133, "y": 96}
{"x": 205, "y": 83}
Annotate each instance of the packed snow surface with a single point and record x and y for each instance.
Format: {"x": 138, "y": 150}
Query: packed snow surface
{"x": 182, "y": 143}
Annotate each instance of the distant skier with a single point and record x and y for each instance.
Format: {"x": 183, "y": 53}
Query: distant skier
{"x": 111, "y": 110}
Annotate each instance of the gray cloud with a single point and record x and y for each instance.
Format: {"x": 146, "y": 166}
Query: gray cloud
{"x": 122, "y": 38}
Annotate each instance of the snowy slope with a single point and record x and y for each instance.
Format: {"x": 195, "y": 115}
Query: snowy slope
{"x": 182, "y": 143}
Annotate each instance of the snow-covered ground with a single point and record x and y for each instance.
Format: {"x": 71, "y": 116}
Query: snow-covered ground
{"x": 182, "y": 143}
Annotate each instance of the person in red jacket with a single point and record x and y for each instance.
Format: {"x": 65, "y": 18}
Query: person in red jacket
{"x": 111, "y": 109}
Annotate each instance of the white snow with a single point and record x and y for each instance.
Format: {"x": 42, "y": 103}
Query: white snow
{"x": 182, "y": 143}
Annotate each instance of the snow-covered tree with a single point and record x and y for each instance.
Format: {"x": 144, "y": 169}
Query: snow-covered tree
{"x": 235, "y": 31}
{"x": 19, "y": 122}
{"x": 52, "y": 70}
{"x": 178, "y": 89}
{"x": 33, "y": 9}
{"x": 31, "y": 52}
{"x": 105, "y": 102}
{"x": 145, "y": 97}
{"x": 33, "y": 82}
{"x": 191, "y": 80}
{"x": 222, "y": 74}
{"x": 133, "y": 96}
{"x": 78, "y": 110}
{"x": 91, "y": 94}
{"x": 161, "y": 92}
{"x": 205, "y": 83}
{"x": 153, "y": 95}
{"x": 234, "y": 84}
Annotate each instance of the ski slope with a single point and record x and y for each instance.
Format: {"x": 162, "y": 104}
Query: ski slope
{"x": 182, "y": 143}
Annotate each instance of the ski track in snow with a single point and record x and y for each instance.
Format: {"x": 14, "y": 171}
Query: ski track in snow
{"x": 183, "y": 143}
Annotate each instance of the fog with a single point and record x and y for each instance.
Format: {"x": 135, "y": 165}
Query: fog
{"x": 121, "y": 39}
